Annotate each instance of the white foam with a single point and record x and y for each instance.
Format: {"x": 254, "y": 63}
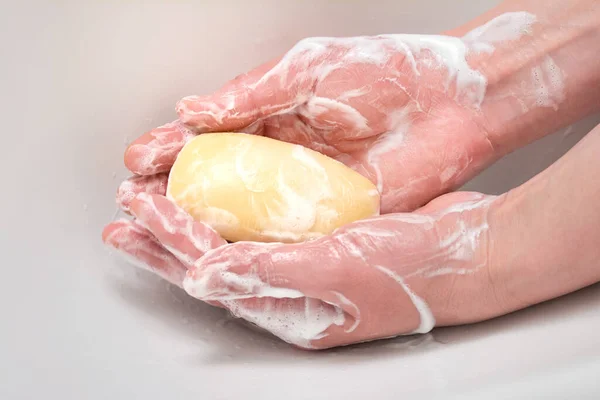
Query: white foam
{"x": 310, "y": 62}
{"x": 398, "y": 124}
{"x": 468, "y": 205}
{"x": 301, "y": 154}
{"x": 355, "y": 311}
{"x": 506, "y": 27}
{"x": 315, "y": 106}
{"x": 448, "y": 173}
{"x": 298, "y": 212}
{"x": 285, "y": 312}
{"x": 290, "y": 237}
{"x": 286, "y": 320}
{"x": 248, "y": 170}
{"x": 367, "y": 230}
{"x": 450, "y": 53}
{"x": 549, "y": 87}
{"x": 410, "y": 218}
{"x": 427, "y": 320}
{"x": 350, "y": 246}
{"x": 257, "y": 288}
{"x": 458, "y": 247}
{"x": 353, "y": 93}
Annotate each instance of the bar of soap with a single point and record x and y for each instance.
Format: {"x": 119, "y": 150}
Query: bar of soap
{"x": 250, "y": 187}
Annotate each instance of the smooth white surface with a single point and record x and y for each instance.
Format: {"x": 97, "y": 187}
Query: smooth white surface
{"x": 78, "y": 81}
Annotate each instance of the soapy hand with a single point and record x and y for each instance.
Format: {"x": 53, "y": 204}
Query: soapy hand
{"x": 403, "y": 110}
{"x": 376, "y": 278}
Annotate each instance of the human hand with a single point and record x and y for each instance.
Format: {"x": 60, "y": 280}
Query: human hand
{"x": 400, "y": 109}
{"x": 382, "y": 277}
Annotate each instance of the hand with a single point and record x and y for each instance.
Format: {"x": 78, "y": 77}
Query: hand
{"x": 400, "y": 109}
{"x": 382, "y": 277}
{"x": 419, "y": 115}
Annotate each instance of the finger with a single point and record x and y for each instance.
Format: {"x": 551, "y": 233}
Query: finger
{"x": 143, "y": 250}
{"x": 174, "y": 228}
{"x": 156, "y": 151}
{"x": 270, "y": 89}
{"x": 131, "y": 187}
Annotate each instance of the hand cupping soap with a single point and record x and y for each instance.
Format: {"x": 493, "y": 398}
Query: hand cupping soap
{"x": 250, "y": 187}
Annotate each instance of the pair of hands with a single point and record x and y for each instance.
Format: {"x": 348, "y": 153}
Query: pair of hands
{"x": 394, "y": 108}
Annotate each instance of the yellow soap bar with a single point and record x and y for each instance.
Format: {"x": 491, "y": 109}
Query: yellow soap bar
{"x": 250, "y": 187}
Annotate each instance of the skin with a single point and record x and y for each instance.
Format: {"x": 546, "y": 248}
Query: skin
{"x": 507, "y": 252}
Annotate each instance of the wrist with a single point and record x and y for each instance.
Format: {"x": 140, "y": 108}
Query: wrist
{"x": 543, "y": 77}
{"x": 460, "y": 290}
{"x": 544, "y": 234}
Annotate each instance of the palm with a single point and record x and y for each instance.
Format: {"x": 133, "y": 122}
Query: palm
{"x": 432, "y": 156}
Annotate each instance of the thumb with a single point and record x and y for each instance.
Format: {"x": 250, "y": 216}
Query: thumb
{"x": 272, "y": 88}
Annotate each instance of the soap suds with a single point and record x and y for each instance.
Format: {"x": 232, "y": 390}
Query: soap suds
{"x": 398, "y": 124}
{"x": 427, "y": 320}
{"x": 548, "y": 84}
{"x": 343, "y": 300}
{"x": 296, "y": 321}
{"x": 506, "y": 27}
{"x": 286, "y": 313}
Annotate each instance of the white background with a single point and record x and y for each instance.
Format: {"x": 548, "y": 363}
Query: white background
{"x": 78, "y": 80}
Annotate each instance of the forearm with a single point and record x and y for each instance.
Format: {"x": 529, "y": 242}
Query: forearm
{"x": 540, "y": 79}
{"x": 546, "y": 233}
